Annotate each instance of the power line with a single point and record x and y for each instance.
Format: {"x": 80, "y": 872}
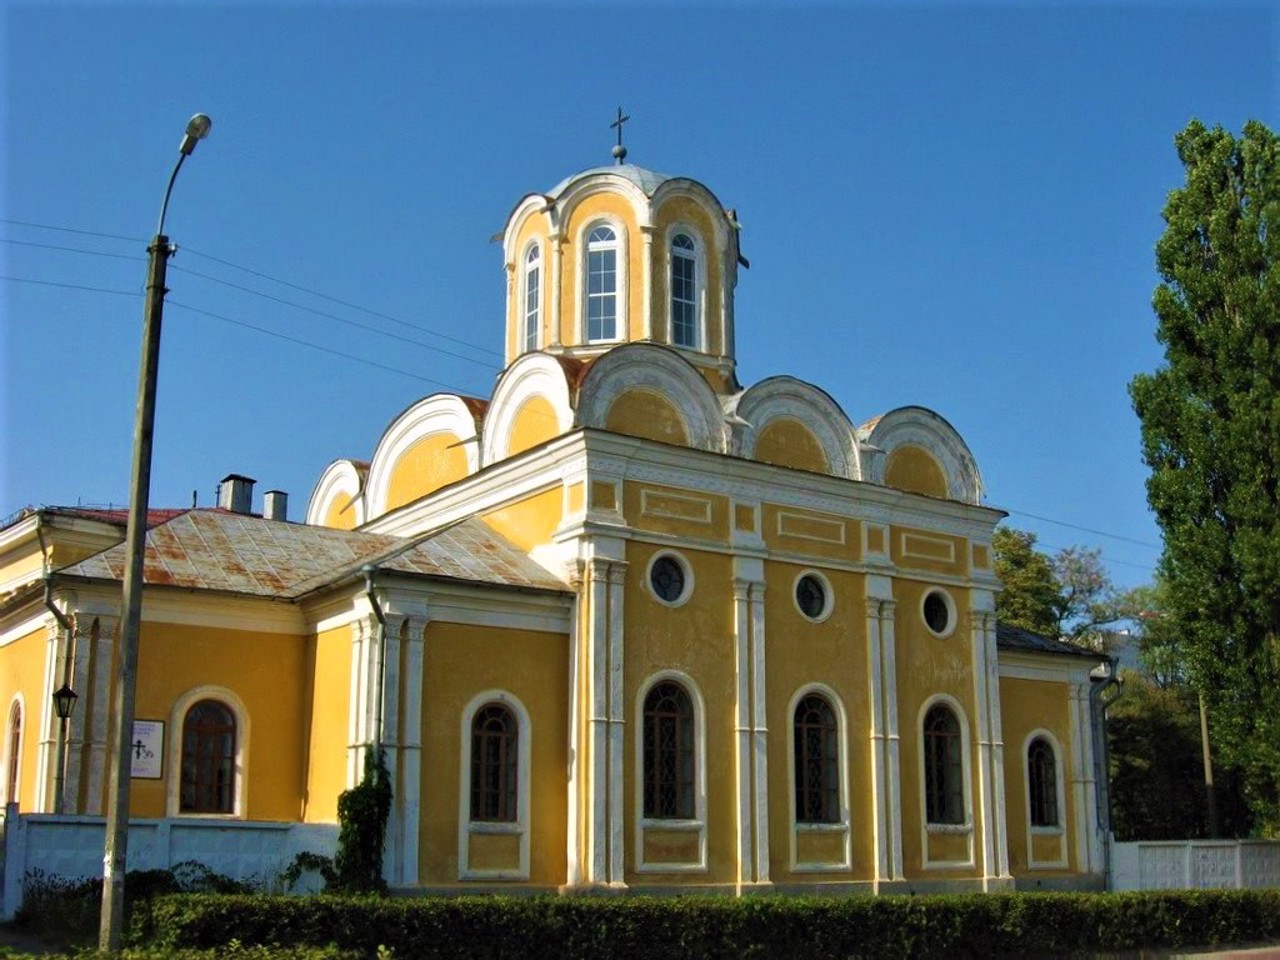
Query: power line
{"x": 72, "y": 286}
{"x": 1072, "y": 526}
{"x": 83, "y": 233}
{"x": 316, "y": 346}
{"x": 348, "y": 304}
{"x": 331, "y": 316}
{"x": 54, "y": 246}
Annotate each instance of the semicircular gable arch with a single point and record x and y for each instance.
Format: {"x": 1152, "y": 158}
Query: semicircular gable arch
{"x": 693, "y": 190}
{"x": 590, "y": 185}
{"x": 530, "y": 206}
{"x": 778, "y": 398}
{"x": 645, "y": 366}
{"x": 337, "y": 499}
{"x": 921, "y": 427}
{"x": 438, "y": 414}
{"x": 532, "y": 377}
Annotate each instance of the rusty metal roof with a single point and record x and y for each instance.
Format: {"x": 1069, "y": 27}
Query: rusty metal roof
{"x": 237, "y": 553}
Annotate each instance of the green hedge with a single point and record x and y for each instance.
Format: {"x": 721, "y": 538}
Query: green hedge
{"x": 711, "y": 928}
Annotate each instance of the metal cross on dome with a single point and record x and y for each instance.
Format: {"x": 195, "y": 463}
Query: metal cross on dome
{"x": 619, "y": 151}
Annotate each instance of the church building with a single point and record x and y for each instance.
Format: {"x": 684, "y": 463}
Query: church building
{"x": 624, "y": 624}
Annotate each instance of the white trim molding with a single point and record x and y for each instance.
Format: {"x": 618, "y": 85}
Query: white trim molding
{"x": 843, "y": 826}
{"x": 778, "y": 398}
{"x": 696, "y": 826}
{"x": 340, "y": 478}
{"x": 173, "y": 751}
{"x": 468, "y": 828}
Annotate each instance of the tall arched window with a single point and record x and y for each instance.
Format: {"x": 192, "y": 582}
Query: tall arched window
{"x": 669, "y": 758}
{"x": 817, "y": 761}
{"x": 14, "y": 753}
{"x": 684, "y": 291}
{"x": 208, "y": 759}
{"x": 943, "y": 766}
{"x": 1042, "y": 783}
{"x": 532, "y": 296}
{"x": 602, "y": 284}
{"x": 495, "y": 759}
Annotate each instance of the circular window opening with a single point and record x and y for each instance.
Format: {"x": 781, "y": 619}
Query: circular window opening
{"x": 937, "y": 612}
{"x": 811, "y": 596}
{"x": 667, "y": 578}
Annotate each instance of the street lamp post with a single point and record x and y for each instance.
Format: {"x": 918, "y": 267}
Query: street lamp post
{"x": 64, "y": 701}
{"x": 115, "y": 849}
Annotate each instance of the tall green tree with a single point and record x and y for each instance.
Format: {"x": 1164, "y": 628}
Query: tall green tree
{"x": 1211, "y": 436}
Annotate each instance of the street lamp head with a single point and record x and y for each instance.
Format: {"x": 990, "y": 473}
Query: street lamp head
{"x": 198, "y": 128}
{"x": 64, "y": 701}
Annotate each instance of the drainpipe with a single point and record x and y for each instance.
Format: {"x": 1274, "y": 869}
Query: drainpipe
{"x": 380, "y": 694}
{"x": 60, "y": 757}
{"x": 1102, "y": 756}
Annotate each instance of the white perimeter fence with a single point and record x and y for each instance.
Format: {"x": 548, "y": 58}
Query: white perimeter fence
{"x": 1195, "y": 864}
{"x": 71, "y": 847}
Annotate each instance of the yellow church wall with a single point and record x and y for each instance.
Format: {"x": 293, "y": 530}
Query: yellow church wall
{"x": 535, "y": 422}
{"x": 22, "y": 671}
{"x": 915, "y": 470}
{"x": 682, "y": 210}
{"x": 644, "y": 413}
{"x": 677, "y": 512}
{"x": 265, "y": 671}
{"x": 529, "y": 522}
{"x": 342, "y": 514}
{"x": 462, "y": 661}
{"x": 928, "y": 551}
{"x": 696, "y": 639}
{"x": 24, "y": 562}
{"x": 928, "y": 665}
{"x": 428, "y": 464}
{"x": 1027, "y": 705}
{"x": 799, "y": 652}
{"x": 619, "y": 210}
{"x": 809, "y": 533}
{"x": 789, "y": 443}
{"x": 327, "y": 672}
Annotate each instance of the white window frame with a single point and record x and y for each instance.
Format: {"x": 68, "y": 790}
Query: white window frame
{"x": 619, "y": 246}
{"x": 966, "y": 775}
{"x": 173, "y": 776}
{"x": 828, "y": 595}
{"x": 698, "y": 256}
{"x": 1060, "y": 830}
{"x": 698, "y": 825}
{"x": 467, "y": 828}
{"x": 685, "y": 565}
{"x": 844, "y": 824}
{"x": 8, "y": 758}
{"x": 531, "y": 264}
{"x": 953, "y": 617}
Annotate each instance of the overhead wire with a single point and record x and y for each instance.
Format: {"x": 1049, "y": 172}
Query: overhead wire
{"x": 368, "y": 328}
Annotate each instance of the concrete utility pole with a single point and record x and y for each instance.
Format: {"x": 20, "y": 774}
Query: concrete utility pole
{"x": 114, "y": 856}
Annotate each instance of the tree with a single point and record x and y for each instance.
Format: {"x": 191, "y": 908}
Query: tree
{"x": 1069, "y": 596}
{"x": 1031, "y": 593}
{"x": 1211, "y": 437}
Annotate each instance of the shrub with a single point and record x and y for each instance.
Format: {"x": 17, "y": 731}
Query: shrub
{"x": 638, "y": 928}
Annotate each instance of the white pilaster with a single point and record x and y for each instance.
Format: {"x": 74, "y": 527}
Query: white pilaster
{"x": 389, "y": 737}
{"x": 743, "y": 728}
{"x": 574, "y": 867}
{"x": 556, "y": 243}
{"x": 100, "y": 699}
{"x": 646, "y": 281}
{"x": 411, "y": 746}
{"x": 598, "y": 711}
{"x": 1001, "y": 816}
{"x": 759, "y": 731}
{"x": 1083, "y": 793}
{"x": 55, "y": 652}
{"x": 617, "y": 723}
{"x": 879, "y": 750}
{"x": 893, "y": 766}
{"x": 982, "y": 718}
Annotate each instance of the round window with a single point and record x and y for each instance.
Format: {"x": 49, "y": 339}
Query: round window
{"x": 811, "y": 596}
{"x": 937, "y": 612}
{"x": 667, "y": 579}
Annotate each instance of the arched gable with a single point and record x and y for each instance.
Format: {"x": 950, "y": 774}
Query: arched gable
{"x": 658, "y": 370}
{"x": 436, "y": 439}
{"x": 337, "y": 501}
{"x": 531, "y": 404}
{"x": 926, "y": 430}
{"x": 783, "y": 401}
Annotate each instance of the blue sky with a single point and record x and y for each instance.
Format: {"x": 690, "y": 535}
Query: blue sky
{"x": 945, "y": 204}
